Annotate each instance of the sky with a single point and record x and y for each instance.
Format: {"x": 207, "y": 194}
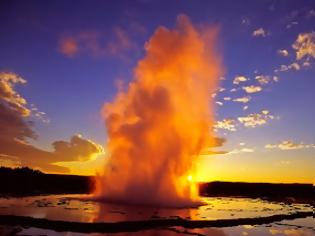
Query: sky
{"x": 61, "y": 61}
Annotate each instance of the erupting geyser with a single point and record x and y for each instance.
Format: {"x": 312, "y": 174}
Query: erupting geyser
{"x": 158, "y": 126}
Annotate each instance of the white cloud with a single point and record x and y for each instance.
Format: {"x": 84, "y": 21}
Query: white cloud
{"x": 256, "y": 119}
{"x": 239, "y": 79}
{"x": 275, "y": 78}
{"x": 263, "y": 79}
{"x": 305, "y": 46}
{"x": 294, "y": 66}
{"x": 259, "y": 32}
{"x": 245, "y": 99}
{"x": 219, "y": 103}
{"x": 283, "y": 52}
{"x": 227, "y": 124}
{"x": 220, "y": 90}
{"x": 252, "y": 89}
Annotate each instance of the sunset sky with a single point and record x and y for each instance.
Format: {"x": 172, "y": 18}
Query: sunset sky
{"x": 61, "y": 61}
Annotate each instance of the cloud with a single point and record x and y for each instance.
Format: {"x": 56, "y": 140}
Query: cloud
{"x": 252, "y": 89}
{"x": 9, "y": 96}
{"x": 227, "y": 98}
{"x": 291, "y": 24}
{"x": 263, "y": 79}
{"x": 294, "y": 66}
{"x": 283, "y": 52}
{"x": 121, "y": 42}
{"x": 68, "y": 46}
{"x": 219, "y": 103}
{"x": 76, "y": 149}
{"x": 220, "y": 90}
{"x": 13, "y": 110}
{"x": 311, "y": 13}
{"x": 227, "y": 124}
{"x": 250, "y": 121}
{"x": 266, "y": 79}
{"x": 245, "y": 21}
{"x": 289, "y": 145}
{"x": 305, "y": 46}
{"x": 96, "y": 44}
{"x": 256, "y": 119}
{"x": 239, "y": 79}
{"x": 241, "y": 150}
{"x": 42, "y": 116}
{"x": 259, "y": 33}
{"x": 245, "y": 99}
{"x": 16, "y": 130}
{"x": 275, "y": 78}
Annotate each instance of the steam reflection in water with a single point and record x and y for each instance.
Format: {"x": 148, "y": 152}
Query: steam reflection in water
{"x": 78, "y": 208}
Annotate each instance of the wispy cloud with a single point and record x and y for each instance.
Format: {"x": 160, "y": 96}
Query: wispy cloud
{"x": 96, "y": 43}
{"x": 311, "y": 13}
{"x": 69, "y": 46}
{"x": 292, "y": 24}
{"x": 241, "y": 150}
{"x": 289, "y": 145}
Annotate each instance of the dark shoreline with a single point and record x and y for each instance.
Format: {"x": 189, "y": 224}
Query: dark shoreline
{"x": 27, "y": 182}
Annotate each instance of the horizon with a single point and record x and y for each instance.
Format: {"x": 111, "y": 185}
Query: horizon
{"x": 60, "y": 71}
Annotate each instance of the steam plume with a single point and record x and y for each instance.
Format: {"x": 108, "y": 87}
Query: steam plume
{"x": 160, "y": 124}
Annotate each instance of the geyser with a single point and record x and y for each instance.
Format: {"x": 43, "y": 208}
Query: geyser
{"x": 158, "y": 126}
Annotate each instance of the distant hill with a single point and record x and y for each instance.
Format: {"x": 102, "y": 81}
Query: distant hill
{"x": 25, "y": 181}
{"x": 290, "y": 192}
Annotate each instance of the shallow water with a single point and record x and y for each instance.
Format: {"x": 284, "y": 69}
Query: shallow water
{"x": 77, "y": 208}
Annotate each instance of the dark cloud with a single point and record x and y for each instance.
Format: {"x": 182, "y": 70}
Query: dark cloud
{"x": 16, "y": 130}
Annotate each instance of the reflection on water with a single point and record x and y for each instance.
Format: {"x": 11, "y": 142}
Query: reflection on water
{"x": 77, "y": 208}
{"x": 283, "y": 228}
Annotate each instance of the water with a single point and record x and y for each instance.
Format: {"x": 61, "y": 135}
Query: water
{"x": 77, "y": 208}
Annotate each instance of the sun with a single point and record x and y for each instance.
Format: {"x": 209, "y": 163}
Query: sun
{"x": 189, "y": 178}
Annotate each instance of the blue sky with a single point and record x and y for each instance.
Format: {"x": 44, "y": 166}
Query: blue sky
{"x": 71, "y": 84}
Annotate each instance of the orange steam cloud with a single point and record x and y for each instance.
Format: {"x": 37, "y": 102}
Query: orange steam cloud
{"x": 160, "y": 124}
